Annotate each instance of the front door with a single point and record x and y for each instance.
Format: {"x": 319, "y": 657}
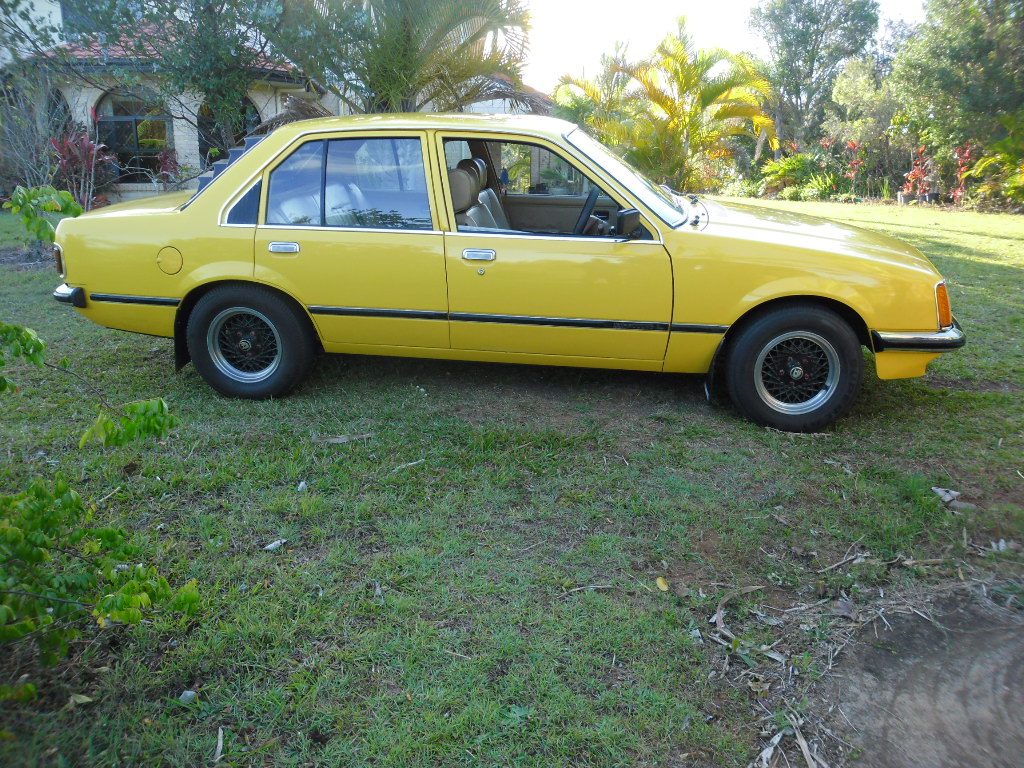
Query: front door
{"x": 540, "y": 289}
{"x": 347, "y": 228}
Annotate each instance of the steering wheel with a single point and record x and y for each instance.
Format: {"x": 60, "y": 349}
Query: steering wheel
{"x": 588, "y": 208}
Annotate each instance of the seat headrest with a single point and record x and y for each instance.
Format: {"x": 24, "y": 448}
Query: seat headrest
{"x": 470, "y": 166}
{"x": 481, "y": 166}
{"x": 464, "y": 189}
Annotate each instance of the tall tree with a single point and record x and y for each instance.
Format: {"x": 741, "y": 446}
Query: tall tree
{"x": 676, "y": 115}
{"x": 809, "y": 40}
{"x": 409, "y": 55}
{"x": 214, "y": 48}
{"x": 963, "y": 73}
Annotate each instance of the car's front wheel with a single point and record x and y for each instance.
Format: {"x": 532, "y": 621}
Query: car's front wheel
{"x": 797, "y": 369}
{"x": 246, "y": 341}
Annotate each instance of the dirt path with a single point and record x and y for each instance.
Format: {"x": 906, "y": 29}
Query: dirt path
{"x": 928, "y": 696}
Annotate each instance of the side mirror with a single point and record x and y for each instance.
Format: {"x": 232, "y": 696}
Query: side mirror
{"x": 628, "y": 222}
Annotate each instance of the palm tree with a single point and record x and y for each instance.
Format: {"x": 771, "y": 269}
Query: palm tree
{"x": 410, "y": 55}
{"x": 680, "y": 112}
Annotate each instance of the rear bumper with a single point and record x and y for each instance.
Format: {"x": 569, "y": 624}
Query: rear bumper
{"x": 941, "y": 341}
{"x": 65, "y": 294}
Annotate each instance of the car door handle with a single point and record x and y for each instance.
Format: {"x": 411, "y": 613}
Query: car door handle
{"x": 479, "y": 254}
{"x": 284, "y": 248}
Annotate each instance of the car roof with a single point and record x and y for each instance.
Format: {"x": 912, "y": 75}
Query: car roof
{"x": 419, "y": 121}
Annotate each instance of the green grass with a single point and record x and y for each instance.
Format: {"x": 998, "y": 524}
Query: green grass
{"x": 426, "y": 615}
{"x": 12, "y": 232}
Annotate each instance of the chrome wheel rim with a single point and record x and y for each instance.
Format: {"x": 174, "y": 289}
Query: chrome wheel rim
{"x": 796, "y": 372}
{"x": 244, "y": 345}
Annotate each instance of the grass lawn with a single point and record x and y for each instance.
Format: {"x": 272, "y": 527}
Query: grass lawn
{"x": 476, "y": 583}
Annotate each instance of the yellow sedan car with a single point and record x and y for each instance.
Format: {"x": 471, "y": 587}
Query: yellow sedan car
{"x": 514, "y": 239}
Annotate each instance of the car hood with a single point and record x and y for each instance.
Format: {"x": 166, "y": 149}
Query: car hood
{"x": 146, "y": 206}
{"x": 778, "y": 225}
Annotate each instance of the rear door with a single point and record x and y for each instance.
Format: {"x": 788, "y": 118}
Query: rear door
{"x": 348, "y": 229}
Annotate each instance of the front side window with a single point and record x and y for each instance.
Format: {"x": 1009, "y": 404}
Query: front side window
{"x": 527, "y": 169}
{"x": 137, "y": 130}
{"x": 362, "y": 183}
{"x": 523, "y": 187}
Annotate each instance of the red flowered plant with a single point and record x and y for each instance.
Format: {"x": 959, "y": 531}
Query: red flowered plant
{"x": 855, "y": 163}
{"x": 170, "y": 170}
{"x": 82, "y": 166}
{"x": 966, "y": 154}
{"x": 918, "y": 176}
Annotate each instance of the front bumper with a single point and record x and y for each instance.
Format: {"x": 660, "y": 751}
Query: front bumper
{"x": 940, "y": 341}
{"x": 65, "y": 294}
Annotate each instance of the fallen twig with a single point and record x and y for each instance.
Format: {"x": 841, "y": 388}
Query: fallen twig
{"x": 802, "y": 742}
{"x": 406, "y": 466}
{"x": 340, "y": 439}
{"x": 220, "y": 746}
{"x": 98, "y": 503}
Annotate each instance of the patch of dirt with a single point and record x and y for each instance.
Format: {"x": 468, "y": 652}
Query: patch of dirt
{"x": 944, "y": 695}
{"x": 946, "y": 384}
{"x": 25, "y": 258}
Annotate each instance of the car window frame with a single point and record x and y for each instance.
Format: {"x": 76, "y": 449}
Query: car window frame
{"x": 583, "y": 163}
{"x": 287, "y": 151}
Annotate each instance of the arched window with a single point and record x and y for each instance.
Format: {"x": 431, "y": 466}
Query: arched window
{"x": 137, "y": 130}
{"x": 213, "y": 140}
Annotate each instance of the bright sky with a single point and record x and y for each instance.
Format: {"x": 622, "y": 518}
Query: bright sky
{"x": 569, "y": 36}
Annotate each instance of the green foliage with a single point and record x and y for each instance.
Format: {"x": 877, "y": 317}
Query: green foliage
{"x": 1001, "y": 168}
{"x": 403, "y": 55}
{"x": 963, "y": 71}
{"x": 809, "y": 40}
{"x": 16, "y": 341}
{"x": 34, "y": 203}
{"x": 149, "y": 418}
{"x": 58, "y": 569}
{"x": 791, "y": 170}
{"x": 677, "y": 114}
{"x": 743, "y": 188}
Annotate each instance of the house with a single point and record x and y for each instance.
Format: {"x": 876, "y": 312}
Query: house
{"x": 148, "y": 135}
{"x": 133, "y": 124}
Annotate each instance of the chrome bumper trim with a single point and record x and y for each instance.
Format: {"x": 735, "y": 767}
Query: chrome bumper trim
{"x": 65, "y": 294}
{"x": 941, "y": 341}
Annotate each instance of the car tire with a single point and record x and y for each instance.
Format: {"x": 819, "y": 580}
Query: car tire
{"x": 797, "y": 369}
{"x": 247, "y": 341}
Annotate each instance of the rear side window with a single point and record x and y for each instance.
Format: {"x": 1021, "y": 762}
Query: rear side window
{"x": 372, "y": 183}
{"x": 247, "y": 208}
{"x": 296, "y": 188}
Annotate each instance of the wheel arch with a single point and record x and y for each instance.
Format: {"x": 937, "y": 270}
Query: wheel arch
{"x": 845, "y": 311}
{"x": 181, "y": 353}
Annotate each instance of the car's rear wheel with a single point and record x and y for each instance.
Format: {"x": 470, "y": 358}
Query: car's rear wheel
{"x": 247, "y": 341}
{"x": 797, "y": 369}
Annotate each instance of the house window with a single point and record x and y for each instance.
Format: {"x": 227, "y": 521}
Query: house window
{"x": 137, "y": 130}
{"x": 213, "y": 143}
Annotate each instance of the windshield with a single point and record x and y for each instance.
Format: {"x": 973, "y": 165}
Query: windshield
{"x": 666, "y": 205}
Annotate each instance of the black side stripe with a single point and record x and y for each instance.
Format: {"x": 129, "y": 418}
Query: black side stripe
{"x": 408, "y": 314}
{"x": 115, "y": 298}
{"x": 697, "y": 328}
{"x": 562, "y": 322}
